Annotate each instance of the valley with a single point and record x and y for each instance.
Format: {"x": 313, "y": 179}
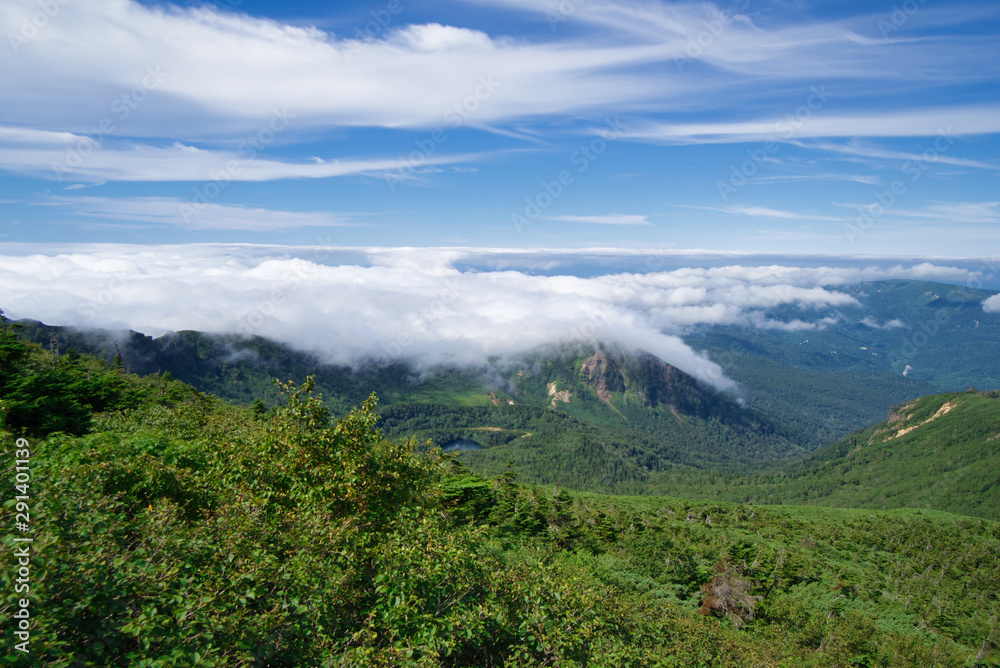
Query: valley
{"x": 832, "y": 511}
{"x": 605, "y": 419}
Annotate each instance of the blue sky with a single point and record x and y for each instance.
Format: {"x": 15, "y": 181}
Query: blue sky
{"x": 850, "y": 128}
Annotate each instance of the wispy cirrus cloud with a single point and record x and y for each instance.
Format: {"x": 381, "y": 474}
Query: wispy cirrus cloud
{"x": 129, "y": 93}
{"x": 225, "y": 72}
{"x": 738, "y": 38}
{"x": 67, "y": 156}
{"x": 766, "y": 212}
{"x": 610, "y": 219}
{"x": 856, "y": 148}
{"x": 176, "y": 212}
{"x": 797, "y": 178}
{"x": 942, "y": 212}
{"x": 930, "y": 122}
{"x": 956, "y": 212}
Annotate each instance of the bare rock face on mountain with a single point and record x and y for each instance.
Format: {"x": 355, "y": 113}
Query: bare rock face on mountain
{"x": 596, "y": 368}
{"x": 640, "y": 376}
{"x": 558, "y": 395}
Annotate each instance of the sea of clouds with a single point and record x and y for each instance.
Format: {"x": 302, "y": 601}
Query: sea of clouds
{"x": 440, "y": 305}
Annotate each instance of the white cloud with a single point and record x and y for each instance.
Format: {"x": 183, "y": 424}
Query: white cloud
{"x": 193, "y": 215}
{"x": 81, "y": 158}
{"x": 415, "y": 303}
{"x": 610, "y": 219}
{"x": 958, "y": 212}
{"x": 944, "y": 212}
{"x": 437, "y": 37}
{"x": 118, "y": 90}
{"x": 944, "y": 121}
{"x": 992, "y": 304}
{"x": 895, "y": 323}
{"x": 738, "y": 38}
{"x": 224, "y": 72}
{"x": 766, "y": 212}
{"x": 793, "y": 178}
{"x": 933, "y": 154}
{"x": 16, "y": 135}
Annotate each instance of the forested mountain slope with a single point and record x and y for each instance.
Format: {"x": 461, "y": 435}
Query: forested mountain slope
{"x": 640, "y": 407}
{"x": 940, "y": 451}
{"x": 172, "y": 529}
{"x": 903, "y": 339}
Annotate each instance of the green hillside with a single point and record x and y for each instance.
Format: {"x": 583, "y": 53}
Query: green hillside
{"x": 905, "y": 339}
{"x": 941, "y": 451}
{"x": 173, "y": 529}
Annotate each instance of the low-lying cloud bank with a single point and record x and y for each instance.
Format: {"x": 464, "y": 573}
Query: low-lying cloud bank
{"x": 426, "y": 305}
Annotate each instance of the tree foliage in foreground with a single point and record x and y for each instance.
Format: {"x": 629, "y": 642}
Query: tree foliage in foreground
{"x": 185, "y": 532}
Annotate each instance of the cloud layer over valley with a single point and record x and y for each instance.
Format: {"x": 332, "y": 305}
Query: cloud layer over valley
{"x": 429, "y": 305}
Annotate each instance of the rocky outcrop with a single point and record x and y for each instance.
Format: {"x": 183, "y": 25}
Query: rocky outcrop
{"x": 557, "y": 395}
{"x": 595, "y": 368}
{"x": 645, "y": 376}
